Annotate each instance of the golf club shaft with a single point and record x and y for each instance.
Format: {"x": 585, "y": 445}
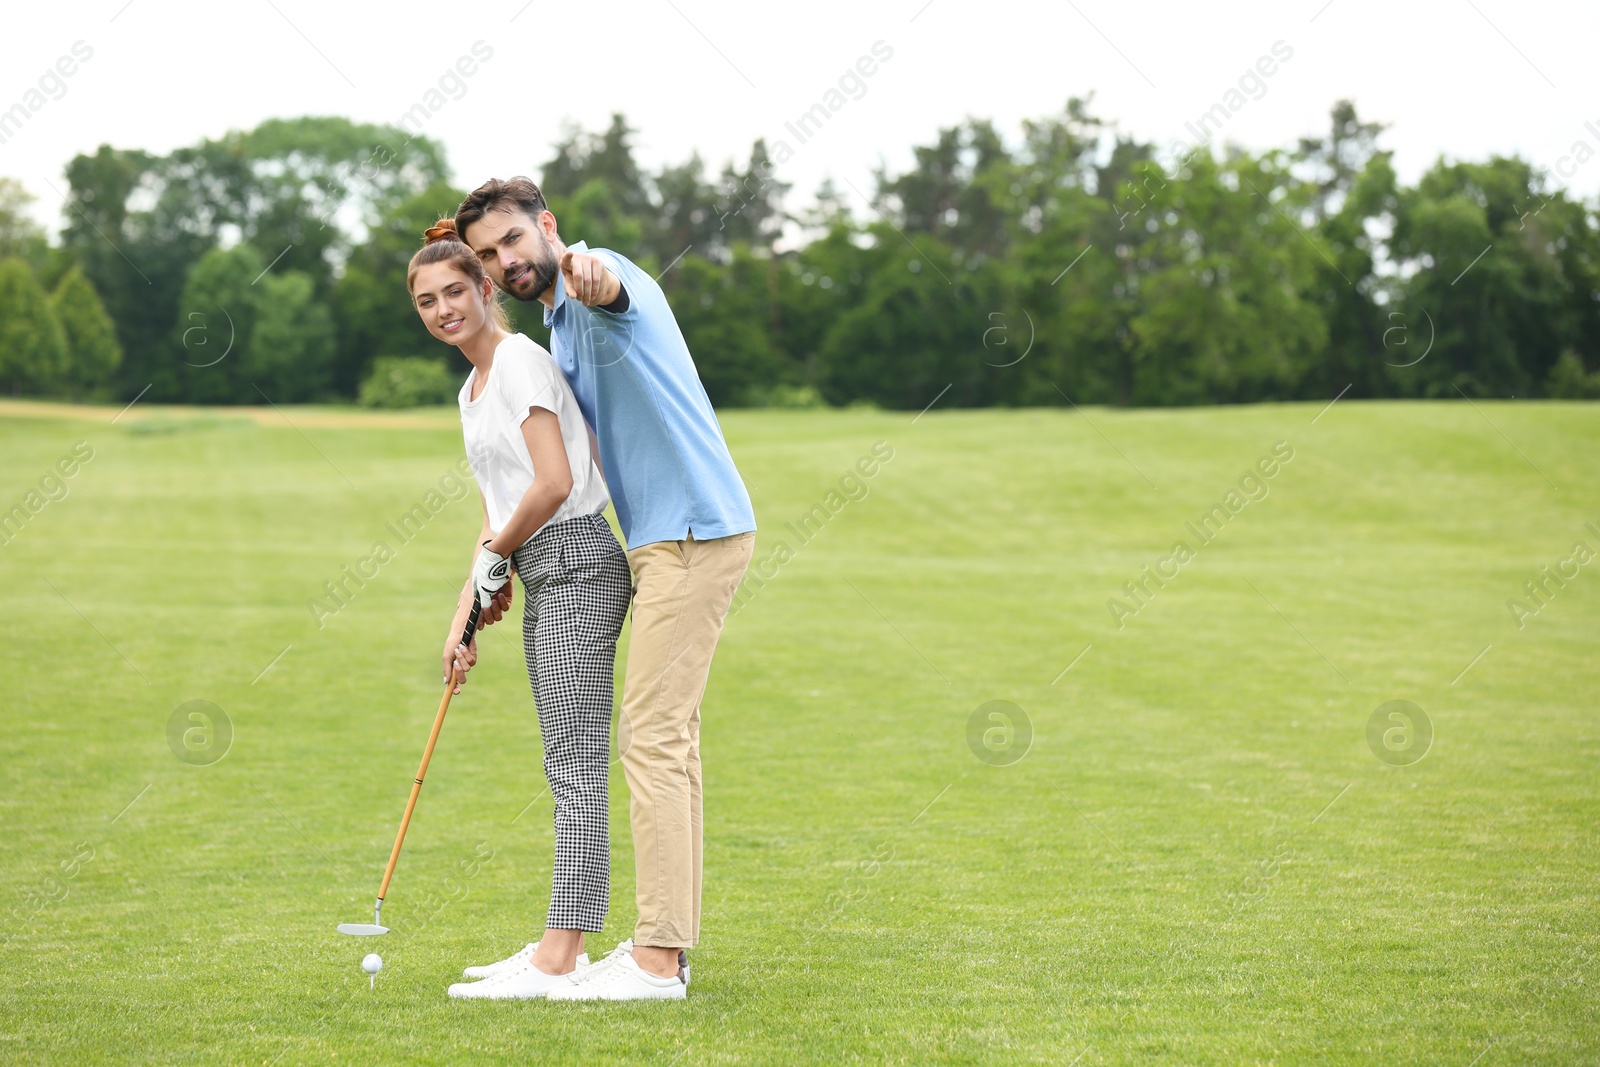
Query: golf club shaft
{"x": 427, "y": 753}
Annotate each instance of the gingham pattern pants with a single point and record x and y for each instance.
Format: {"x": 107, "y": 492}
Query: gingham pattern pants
{"x": 577, "y": 587}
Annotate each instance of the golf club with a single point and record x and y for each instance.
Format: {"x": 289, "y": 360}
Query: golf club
{"x": 375, "y": 926}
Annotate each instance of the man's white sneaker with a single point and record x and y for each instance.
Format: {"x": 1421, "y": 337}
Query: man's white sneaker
{"x": 514, "y": 962}
{"x": 528, "y": 983}
{"x": 621, "y": 979}
{"x": 625, "y": 948}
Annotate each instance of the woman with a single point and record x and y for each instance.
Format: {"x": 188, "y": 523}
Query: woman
{"x": 543, "y": 501}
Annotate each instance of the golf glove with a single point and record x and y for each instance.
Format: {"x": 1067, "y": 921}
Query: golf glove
{"x": 489, "y": 574}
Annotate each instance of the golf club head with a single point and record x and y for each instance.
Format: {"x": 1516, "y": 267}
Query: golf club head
{"x": 362, "y": 929}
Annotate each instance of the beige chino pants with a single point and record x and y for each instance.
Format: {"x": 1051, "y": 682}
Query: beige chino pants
{"x": 682, "y": 590}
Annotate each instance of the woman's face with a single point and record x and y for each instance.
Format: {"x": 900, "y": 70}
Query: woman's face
{"x": 452, "y": 307}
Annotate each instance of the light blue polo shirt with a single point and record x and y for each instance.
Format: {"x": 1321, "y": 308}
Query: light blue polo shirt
{"x": 661, "y": 448}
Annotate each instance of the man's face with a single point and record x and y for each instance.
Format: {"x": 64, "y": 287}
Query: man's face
{"x": 514, "y": 251}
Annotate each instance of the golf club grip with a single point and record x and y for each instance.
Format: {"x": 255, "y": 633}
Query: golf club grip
{"x": 472, "y": 620}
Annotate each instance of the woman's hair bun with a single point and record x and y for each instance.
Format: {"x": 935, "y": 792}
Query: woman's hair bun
{"x": 443, "y": 230}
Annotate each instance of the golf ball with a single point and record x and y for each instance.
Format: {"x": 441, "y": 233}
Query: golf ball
{"x": 373, "y": 963}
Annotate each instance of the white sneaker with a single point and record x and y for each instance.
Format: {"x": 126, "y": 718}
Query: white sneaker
{"x": 514, "y": 962}
{"x": 625, "y": 948}
{"x": 527, "y": 983}
{"x": 620, "y": 979}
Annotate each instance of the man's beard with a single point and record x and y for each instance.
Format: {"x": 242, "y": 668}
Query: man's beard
{"x": 543, "y": 271}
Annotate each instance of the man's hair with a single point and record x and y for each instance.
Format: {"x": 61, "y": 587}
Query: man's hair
{"x": 518, "y": 192}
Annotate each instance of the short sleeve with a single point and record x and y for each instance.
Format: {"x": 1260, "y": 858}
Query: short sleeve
{"x": 614, "y": 263}
{"x": 528, "y": 381}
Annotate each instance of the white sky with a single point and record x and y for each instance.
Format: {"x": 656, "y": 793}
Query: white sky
{"x": 1463, "y": 78}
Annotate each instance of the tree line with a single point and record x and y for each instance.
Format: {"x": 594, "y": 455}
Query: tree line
{"x": 1069, "y": 263}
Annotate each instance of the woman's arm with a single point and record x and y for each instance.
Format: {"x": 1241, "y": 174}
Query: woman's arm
{"x": 495, "y": 610}
{"x": 594, "y": 450}
{"x": 454, "y": 657}
{"x": 552, "y": 482}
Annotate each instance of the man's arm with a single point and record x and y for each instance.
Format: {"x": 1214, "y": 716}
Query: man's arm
{"x": 590, "y": 282}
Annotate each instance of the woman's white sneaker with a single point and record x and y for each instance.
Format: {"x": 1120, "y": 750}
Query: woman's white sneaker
{"x": 527, "y": 983}
{"x": 620, "y": 979}
{"x": 514, "y": 962}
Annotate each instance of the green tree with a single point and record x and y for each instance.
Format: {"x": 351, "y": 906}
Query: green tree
{"x": 1074, "y": 281}
{"x": 749, "y": 207}
{"x": 289, "y": 357}
{"x": 93, "y": 353}
{"x": 1222, "y": 314}
{"x": 1353, "y": 192}
{"x": 819, "y": 283}
{"x": 598, "y": 194}
{"x": 33, "y": 351}
{"x": 1337, "y": 162}
{"x": 687, "y": 217}
{"x": 20, "y": 236}
{"x": 1069, "y": 278}
{"x": 301, "y": 191}
{"x": 206, "y": 352}
{"x": 593, "y": 214}
{"x": 952, "y": 193}
{"x": 918, "y": 328}
{"x": 606, "y": 157}
{"x": 136, "y": 266}
{"x": 723, "y": 311}
{"x": 1503, "y": 267}
{"x": 1069, "y": 262}
{"x": 372, "y": 309}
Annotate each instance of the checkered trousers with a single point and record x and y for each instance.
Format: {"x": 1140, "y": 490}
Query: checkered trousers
{"x": 577, "y": 587}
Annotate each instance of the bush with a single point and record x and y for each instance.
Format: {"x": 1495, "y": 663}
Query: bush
{"x": 1569, "y": 381}
{"x": 407, "y": 382}
{"x": 784, "y": 396}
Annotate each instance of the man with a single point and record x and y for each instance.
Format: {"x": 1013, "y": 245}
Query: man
{"x": 689, "y": 528}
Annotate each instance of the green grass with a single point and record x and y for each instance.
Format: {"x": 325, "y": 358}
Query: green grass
{"x": 1199, "y": 860}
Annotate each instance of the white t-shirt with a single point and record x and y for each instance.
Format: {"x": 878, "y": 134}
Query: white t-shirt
{"x": 522, "y": 376}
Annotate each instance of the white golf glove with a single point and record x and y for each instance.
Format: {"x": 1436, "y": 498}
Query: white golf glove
{"x": 489, "y": 574}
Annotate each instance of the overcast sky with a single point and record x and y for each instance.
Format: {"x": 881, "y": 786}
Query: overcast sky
{"x": 1462, "y": 78}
